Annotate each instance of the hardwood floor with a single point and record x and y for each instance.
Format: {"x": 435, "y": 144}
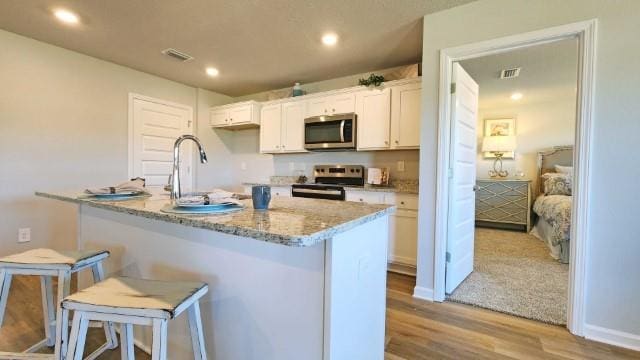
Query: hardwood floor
{"x": 416, "y": 329}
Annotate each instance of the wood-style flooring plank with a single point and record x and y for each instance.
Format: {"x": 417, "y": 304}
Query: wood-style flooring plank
{"x": 416, "y": 330}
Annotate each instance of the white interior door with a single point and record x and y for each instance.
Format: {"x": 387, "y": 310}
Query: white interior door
{"x": 154, "y": 127}
{"x": 462, "y": 178}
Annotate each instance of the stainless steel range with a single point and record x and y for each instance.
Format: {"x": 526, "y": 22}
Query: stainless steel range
{"x": 330, "y": 181}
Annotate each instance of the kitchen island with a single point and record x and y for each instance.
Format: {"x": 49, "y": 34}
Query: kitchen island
{"x": 304, "y": 280}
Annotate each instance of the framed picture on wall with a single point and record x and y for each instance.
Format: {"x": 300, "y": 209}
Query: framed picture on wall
{"x": 499, "y": 127}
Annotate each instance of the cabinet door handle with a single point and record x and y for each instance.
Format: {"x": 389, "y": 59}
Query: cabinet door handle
{"x": 231, "y": 119}
{"x": 334, "y": 110}
{"x": 386, "y": 142}
{"x": 226, "y": 120}
{"x": 397, "y": 142}
{"x": 401, "y": 202}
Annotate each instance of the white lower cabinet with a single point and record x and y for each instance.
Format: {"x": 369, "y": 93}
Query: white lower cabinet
{"x": 403, "y": 224}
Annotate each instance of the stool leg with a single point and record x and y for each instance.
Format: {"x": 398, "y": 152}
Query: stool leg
{"x": 159, "y": 344}
{"x": 5, "y": 284}
{"x": 197, "y": 337}
{"x": 78, "y": 336}
{"x": 48, "y": 309}
{"x": 62, "y": 322}
{"x": 109, "y": 329}
{"x": 126, "y": 342}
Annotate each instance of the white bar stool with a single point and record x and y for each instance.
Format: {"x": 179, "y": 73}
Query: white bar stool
{"x": 131, "y": 302}
{"x": 47, "y": 263}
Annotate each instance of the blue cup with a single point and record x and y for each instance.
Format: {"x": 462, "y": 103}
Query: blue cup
{"x": 261, "y": 196}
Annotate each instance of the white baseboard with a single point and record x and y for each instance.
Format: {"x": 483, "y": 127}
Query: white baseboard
{"x": 423, "y": 293}
{"x": 612, "y": 337}
{"x": 401, "y": 259}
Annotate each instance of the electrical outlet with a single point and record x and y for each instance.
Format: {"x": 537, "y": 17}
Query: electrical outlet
{"x": 243, "y": 166}
{"x": 24, "y": 235}
{"x": 401, "y": 165}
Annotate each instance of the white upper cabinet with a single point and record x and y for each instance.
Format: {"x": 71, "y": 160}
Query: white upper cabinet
{"x": 235, "y": 116}
{"x": 373, "y": 107}
{"x": 293, "y": 126}
{"x": 331, "y": 105}
{"x": 282, "y": 127}
{"x": 270, "y": 128}
{"x": 405, "y": 116}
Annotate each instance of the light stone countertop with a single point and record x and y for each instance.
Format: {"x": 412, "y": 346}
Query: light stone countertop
{"x": 289, "y": 221}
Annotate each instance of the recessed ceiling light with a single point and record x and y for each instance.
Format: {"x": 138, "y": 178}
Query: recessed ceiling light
{"x": 516, "y": 96}
{"x": 66, "y": 16}
{"x": 329, "y": 39}
{"x": 211, "y": 71}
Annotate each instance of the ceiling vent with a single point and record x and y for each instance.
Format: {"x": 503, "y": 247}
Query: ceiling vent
{"x": 510, "y": 73}
{"x": 178, "y": 55}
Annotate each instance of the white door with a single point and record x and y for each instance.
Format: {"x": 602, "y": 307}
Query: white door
{"x": 155, "y": 126}
{"x": 374, "y": 116}
{"x": 270, "y": 128}
{"x": 462, "y": 178}
{"x": 293, "y": 126}
{"x": 405, "y": 115}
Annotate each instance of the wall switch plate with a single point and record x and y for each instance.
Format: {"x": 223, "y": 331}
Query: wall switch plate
{"x": 401, "y": 165}
{"x": 243, "y": 166}
{"x": 24, "y": 235}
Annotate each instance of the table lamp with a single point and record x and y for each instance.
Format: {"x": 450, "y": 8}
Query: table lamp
{"x": 498, "y": 145}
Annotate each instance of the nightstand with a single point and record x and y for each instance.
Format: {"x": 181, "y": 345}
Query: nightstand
{"x": 503, "y": 203}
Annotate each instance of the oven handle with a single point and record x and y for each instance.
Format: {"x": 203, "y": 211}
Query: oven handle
{"x": 314, "y": 191}
{"x": 342, "y": 131}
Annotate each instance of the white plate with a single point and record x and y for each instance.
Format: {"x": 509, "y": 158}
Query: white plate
{"x": 120, "y": 194}
{"x": 202, "y": 211}
{"x": 202, "y": 206}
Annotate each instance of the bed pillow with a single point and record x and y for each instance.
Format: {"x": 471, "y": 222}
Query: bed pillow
{"x": 564, "y": 169}
{"x": 557, "y": 183}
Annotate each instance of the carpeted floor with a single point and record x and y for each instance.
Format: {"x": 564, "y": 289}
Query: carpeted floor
{"x": 513, "y": 273}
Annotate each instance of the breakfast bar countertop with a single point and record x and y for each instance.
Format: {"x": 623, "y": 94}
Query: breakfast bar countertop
{"x": 289, "y": 221}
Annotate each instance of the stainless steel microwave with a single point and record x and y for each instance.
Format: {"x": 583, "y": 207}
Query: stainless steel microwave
{"x": 330, "y": 132}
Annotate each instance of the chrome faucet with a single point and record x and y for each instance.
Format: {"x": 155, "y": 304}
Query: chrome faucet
{"x": 174, "y": 179}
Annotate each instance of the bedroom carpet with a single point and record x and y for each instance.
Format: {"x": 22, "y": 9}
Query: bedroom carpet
{"x": 513, "y": 273}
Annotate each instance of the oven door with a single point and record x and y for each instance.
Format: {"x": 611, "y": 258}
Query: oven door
{"x": 318, "y": 192}
{"x": 336, "y": 132}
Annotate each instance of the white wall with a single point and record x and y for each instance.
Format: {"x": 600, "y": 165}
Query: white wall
{"x": 539, "y": 126}
{"x": 63, "y": 125}
{"x": 613, "y": 288}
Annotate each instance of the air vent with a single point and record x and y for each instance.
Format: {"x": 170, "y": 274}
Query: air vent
{"x": 178, "y": 55}
{"x": 510, "y": 73}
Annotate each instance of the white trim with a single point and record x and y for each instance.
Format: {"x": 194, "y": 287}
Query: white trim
{"x": 423, "y": 293}
{"x": 613, "y": 337}
{"x": 192, "y": 128}
{"x": 402, "y": 260}
{"x": 586, "y": 33}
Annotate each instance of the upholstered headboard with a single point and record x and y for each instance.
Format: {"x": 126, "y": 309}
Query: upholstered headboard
{"x": 549, "y": 158}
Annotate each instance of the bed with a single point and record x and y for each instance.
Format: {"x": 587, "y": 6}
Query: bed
{"x": 552, "y": 207}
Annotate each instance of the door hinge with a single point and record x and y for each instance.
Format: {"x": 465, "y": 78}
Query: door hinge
{"x": 448, "y": 256}
{"x": 453, "y": 88}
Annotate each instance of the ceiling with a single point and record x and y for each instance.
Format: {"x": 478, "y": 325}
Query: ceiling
{"x": 548, "y": 72}
{"x": 257, "y": 45}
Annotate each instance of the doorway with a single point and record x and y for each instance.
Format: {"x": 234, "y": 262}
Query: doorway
{"x": 154, "y": 126}
{"x": 584, "y": 32}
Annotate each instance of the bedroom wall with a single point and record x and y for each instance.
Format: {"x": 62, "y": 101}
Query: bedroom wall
{"x": 538, "y": 126}
{"x": 613, "y": 289}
